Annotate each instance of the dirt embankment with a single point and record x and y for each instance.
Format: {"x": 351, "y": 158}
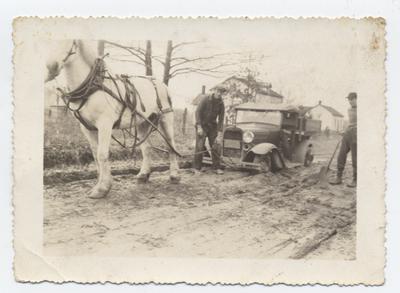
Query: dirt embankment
{"x": 236, "y": 215}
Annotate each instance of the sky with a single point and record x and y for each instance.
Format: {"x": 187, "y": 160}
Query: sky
{"x": 306, "y": 61}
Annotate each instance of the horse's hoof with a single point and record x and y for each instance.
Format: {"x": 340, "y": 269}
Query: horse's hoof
{"x": 97, "y": 194}
{"x": 143, "y": 178}
{"x": 174, "y": 179}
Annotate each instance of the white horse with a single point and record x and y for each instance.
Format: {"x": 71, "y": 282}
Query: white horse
{"x": 102, "y": 111}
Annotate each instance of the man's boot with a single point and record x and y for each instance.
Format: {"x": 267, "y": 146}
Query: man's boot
{"x": 337, "y": 180}
{"x": 219, "y": 172}
{"x": 196, "y": 171}
{"x": 353, "y": 183}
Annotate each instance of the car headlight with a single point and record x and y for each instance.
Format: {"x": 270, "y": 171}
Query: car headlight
{"x": 248, "y": 136}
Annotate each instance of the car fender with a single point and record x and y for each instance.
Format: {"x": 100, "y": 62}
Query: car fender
{"x": 262, "y": 148}
{"x": 265, "y": 148}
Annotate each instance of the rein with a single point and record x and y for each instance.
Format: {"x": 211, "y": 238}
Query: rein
{"x": 95, "y": 82}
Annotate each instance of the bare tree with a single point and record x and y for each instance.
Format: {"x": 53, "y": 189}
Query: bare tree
{"x": 148, "y": 59}
{"x": 175, "y": 65}
{"x": 167, "y": 63}
{"x": 250, "y": 73}
{"x": 142, "y": 57}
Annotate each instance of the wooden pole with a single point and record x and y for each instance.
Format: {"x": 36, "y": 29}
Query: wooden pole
{"x": 167, "y": 65}
{"x": 184, "y": 118}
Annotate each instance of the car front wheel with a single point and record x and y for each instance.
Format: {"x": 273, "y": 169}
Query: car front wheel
{"x": 264, "y": 161}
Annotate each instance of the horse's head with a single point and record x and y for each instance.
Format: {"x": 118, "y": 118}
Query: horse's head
{"x": 59, "y": 56}
{"x": 82, "y": 54}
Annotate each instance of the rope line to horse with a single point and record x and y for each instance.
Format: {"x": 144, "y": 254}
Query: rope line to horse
{"x": 226, "y": 160}
{"x": 94, "y": 82}
{"x": 182, "y": 155}
{"x": 213, "y": 151}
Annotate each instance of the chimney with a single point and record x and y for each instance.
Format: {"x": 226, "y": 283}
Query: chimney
{"x": 319, "y": 102}
{"x": 203, "y": 89}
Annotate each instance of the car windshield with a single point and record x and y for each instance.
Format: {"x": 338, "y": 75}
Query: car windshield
{"x": 249, "y": 116}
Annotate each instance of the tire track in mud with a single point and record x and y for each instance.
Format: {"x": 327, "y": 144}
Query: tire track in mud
{"x": 233, "y": 215}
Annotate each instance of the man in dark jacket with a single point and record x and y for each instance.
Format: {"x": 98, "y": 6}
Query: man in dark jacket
{"x": 349, "y": 144}
{"x": 210, "y": 108}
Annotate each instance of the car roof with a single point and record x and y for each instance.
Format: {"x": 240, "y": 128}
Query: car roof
{"x": 266, "y": 107}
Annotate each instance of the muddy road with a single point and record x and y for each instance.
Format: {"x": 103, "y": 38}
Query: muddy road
{"x": 235, "y": 215}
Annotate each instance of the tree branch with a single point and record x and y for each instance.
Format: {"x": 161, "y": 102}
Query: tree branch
{"x": 137, "y": 52}
{"x": 156, "y": 58}
{"x": 184, "y": 44}
{"x": 194, "y": 60}
{"x": 126, "y": 60}
{"x": 206, "y": 73}
{"x": 212, "y": 69}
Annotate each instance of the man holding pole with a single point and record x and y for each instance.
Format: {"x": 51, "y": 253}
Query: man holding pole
{"x": 349, "y": 144}
{"x": 210, "y": 108}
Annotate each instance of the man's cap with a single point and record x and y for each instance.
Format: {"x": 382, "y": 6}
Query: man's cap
{"x": 221, "y": 88}
{"x": 351, "y": 96}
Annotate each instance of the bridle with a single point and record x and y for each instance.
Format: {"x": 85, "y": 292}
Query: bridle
{"x": 95, "y": 82}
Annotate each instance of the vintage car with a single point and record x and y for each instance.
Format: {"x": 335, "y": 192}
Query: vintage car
{"x": 266, "y": 136}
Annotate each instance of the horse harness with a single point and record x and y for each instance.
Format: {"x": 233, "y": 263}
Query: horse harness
{"x": 95, "y": 82}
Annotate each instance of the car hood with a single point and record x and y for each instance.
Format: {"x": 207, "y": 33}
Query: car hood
{"x": 262, "y": 132}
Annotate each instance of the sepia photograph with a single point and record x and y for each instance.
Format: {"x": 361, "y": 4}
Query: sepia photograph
{"x": 207, "y": 139}
{"x": 231, "y": 162}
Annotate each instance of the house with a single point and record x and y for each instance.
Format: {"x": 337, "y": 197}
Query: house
{"x": 243, "y": 90}
{"x": 330, "y": 118}
{"x": 248, "y": 89}
{"x": 53, "y": 104}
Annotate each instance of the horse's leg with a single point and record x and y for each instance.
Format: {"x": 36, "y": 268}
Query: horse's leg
{"x": 103, "y": 185}
{"x": 145, "y": 168}
{"x": 91, "y": 136}
{"x": 167, "y": 127}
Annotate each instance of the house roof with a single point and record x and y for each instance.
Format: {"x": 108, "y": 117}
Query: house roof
{"x": 271, "y": 93}
{"x": 262, "y": 87}
{"x": 304, "y": 109}
{"x": 333, "y": 111}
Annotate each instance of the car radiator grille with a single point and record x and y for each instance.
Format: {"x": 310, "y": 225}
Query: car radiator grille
{"x": 236, "y": 135}
{"x": 232, "y": 153}
{"x": 232, "y": 144}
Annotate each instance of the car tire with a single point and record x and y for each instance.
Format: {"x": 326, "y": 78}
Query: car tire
{"x": 265, "y": 162}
